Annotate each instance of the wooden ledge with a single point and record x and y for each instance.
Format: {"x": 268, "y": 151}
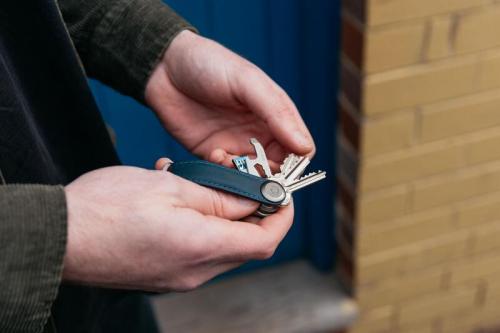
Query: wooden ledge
{"x": 289, "y": 298}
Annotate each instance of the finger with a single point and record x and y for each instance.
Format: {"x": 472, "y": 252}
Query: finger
{"x": 162, "y": 162}
{"x": 257, "y": 91}
{"x": 220, "y": 156}
{"x": 278, "y": 224}
{"x": 256, "y": 239}
{"x": 275, "y": 151}
{"x": 211, "y": 202}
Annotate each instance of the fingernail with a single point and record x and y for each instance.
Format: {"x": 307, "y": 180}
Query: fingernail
{"x": 168, "y": 163}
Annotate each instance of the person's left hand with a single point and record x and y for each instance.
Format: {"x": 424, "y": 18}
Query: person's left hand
{"x": 212, "y": 101}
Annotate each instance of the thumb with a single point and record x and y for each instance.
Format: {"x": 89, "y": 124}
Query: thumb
{"x": 208, "y": 201}
{"x": 271, "y": 103}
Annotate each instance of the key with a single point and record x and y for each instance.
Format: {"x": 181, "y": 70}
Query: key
{"x": 289, "y": 177}
{"x": 295, "y": 171}
{"x": 302, "y": 182}
{"x": 286, "y": 167}
{"x": 287, "y": 164}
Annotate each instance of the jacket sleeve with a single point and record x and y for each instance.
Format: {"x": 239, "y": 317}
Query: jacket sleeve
{"x": 121, "y": 41}
{"x": 32, "y": 247}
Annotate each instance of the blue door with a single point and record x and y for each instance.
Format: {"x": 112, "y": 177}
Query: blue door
{"x": 296, "y": 43}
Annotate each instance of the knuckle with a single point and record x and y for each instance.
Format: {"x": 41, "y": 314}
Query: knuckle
{"x": 252, "y": 75}
{"x": 217, "y": 203}
{"x": 189, "y": 283}
{"x": 179, "y": 283}
{"x": 198, "y": 252}
{"x": 250, "y": 72}
{"x": 266, "y": 251}
{"x": 281, "y": 111}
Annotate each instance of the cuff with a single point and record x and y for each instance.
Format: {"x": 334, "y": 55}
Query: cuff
{"x": 32, "y": 246}
{"x": 129, "y": 42}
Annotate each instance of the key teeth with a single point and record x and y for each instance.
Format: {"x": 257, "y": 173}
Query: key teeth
{"x": 291, "y": 160}
{"x": 310, "y": 174}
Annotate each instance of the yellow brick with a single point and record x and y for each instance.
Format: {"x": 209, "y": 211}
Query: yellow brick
{"x": 489, "y": 75}
{"x": 493, "y": 292}
{"x": 393, "y": 46}
{"x": 460, "y": 324}
{"x": 471, "y": 320}
{"x": 486, "y": 237}
{"x": 403, "y": 166}
{"x": 399, "y": 288}
{"x": 477, "y": 30}
{"x": 458, "y": 186}
{"x": 434, "y": 306}
{"x": 483, "y": 148}
{"x": 429, "y": 327}
{"x": 387, "y": 133}
{"x": 489, "y": 318}
{"x": 438, "y": 44}
{"x": 490, "y": 282}
{"x": 412, "y": 257}
{"x": 480, "y": 210}
{"x": 376, "y": 320}
{"x": 474, "y": 268}
{"x": 460, "y": 115}
{"x": 405, "y": 230}
{"x": 419, "y": 84}
{"x": 384, "y": 11}
{"x": 382, "y": 205}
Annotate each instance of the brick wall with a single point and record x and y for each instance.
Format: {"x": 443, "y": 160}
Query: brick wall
{"x": 419, "y": 174}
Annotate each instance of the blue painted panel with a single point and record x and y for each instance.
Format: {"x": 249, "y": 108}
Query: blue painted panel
{"x": 319, "y": 68}
{"x": 296, "y": 43}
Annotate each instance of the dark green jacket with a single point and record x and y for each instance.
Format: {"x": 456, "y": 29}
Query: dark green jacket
{"x": 50, "y": 133}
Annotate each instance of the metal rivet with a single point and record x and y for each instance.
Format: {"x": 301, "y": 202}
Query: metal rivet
{"x": 273, "y": 191}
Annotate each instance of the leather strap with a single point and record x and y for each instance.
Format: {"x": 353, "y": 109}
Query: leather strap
{"x": 222, "y": 178}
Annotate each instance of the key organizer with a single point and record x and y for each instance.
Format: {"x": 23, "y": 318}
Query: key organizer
{"x": 272, "y": 191}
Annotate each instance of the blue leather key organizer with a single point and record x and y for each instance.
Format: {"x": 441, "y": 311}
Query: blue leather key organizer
{"x": 267, "y": 192}
{"x": 271, "y": 190}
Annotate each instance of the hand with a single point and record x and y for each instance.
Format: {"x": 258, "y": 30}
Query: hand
{"x": 151, "y": 230}
{"x": 213, "y": 101}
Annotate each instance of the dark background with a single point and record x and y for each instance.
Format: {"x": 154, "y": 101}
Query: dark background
{"x": 296, "y": 43}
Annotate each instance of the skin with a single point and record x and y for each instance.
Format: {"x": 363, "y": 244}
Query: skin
{"x": 212, "y": 101}
{"x": 151, "y": 230}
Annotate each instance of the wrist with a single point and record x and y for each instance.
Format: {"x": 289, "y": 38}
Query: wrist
{"x": 177, "y": 48}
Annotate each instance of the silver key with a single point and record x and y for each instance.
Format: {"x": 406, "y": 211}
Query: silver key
{"x": 286, "y": 167}
{"x": 289, "y": 161}
{"x": 289, "y": 176}
{"x": 302, "y": 182}
{"x": 295, "y": 171}
{"x": 307, "y": 180}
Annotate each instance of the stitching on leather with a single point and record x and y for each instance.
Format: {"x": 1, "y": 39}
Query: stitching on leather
{"x": 223, "y": 186}
{"x": 218, "y": 167}
{"x": 227, "y": 187}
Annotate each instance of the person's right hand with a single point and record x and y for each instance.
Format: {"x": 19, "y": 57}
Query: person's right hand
{"x": 151, "y": 230}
